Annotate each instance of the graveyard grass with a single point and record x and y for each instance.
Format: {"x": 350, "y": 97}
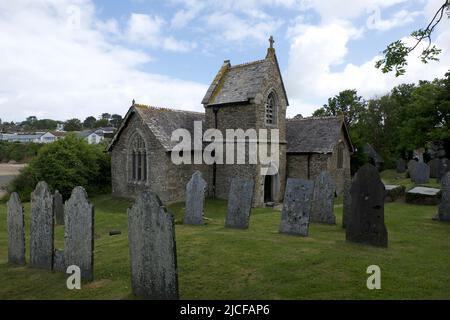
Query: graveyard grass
{"x": 259, "y": 263}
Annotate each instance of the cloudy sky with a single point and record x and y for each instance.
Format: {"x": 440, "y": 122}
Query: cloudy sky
{"x": 61, "y": 59}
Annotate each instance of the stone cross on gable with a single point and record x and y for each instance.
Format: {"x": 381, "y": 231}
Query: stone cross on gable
{"x": 271, "y": 41}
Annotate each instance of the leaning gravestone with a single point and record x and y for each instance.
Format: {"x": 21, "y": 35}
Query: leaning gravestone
{"x": 239, "y": 203}
{"x": 41, "y": 228}
{"x": 412, "y": 164}
{"x": 195, "y": 199}
{"x": 366, "y": 222}
{"x": 347, "y": 202}
{"x": 434, "y": 167}
{"x": 421, "y": 173}
{"x": 16, "y": 231}
{"x": 444, "y": 167}
{"x": 322, "y": 209}
{"x": 444, "y": 207}
{"x": 401, "y": 166}
{"x": 297, "y": 207}
{"x": 151, "y": 234}
{"x": 79, "y": 233}
{"x": 58, "y": 208}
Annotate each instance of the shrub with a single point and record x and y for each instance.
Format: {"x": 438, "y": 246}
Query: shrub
{"x": 65, "y": 164}
{"x": 20, "y": 152}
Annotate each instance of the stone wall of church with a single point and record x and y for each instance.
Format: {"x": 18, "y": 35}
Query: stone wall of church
{"x": 340, "y": 175}
{"x": 163, "y": 177}
{"x": 306, "y": 166}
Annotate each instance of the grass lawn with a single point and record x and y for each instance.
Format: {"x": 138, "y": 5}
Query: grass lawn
{"x": 400, "y": 179}
{"x": 259, "y": 263}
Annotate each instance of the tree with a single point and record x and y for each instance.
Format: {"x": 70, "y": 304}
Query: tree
{"x": 89, "y": 122}
{"x": 101, "y": 123}
{"x": 396, "y": 53}
{"x": 116, "y": 120}
{"x": 72, "y": 125}
{"x": 106, "y": 116}
{"x": 347, "y": 103}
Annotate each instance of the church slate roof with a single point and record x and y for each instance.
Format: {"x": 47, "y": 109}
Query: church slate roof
{"x": 240, "y": 83}
{"x": 315, "y": 134}
{"x": 370, "y": 151}
{"x": 162, "y": 122}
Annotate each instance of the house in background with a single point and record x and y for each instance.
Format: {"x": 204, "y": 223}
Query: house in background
{"x": 90, "y": 136}
{"x": 40, "y": 137}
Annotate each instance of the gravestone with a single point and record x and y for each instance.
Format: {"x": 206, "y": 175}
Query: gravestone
{"x": 421, "y": 173}
{"x": 297, "y": 207}
{"x": 412, "y": 164}
{"x": 322, "y": 208}
{"x": 423, "y": 196}
{"x": 401, "y": 166}
{"x": 444, "y": 206}
{"x": 239, "y": 203}
{"x": 366, "y": 223}
{"x": 79, "y": 233}
{"x": 347, "y": 202}
{"x": 434, "y": 167}
{"x": 16, "y": 231}
{"x": 58, "y": 208}
{"x": 444, "y": 167}
{"x": 41, "y": 228}
{"x": 151, "y": 234}
{"x": 59, "y": 263}
{"x": 195, "y": 199}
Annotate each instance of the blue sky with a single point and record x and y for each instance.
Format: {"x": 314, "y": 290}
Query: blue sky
{"x": 75, "y": 58}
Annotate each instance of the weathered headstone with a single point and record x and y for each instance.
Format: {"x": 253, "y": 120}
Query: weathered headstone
{"x": 444, "y": 167}
{"x": 322, "y": 208}
{"x": 297, "y": 207}
{"x": 16, "y": 231}
{"x": 151, "y": 234}
{"x": 421, "y": 173}
{"x": 423, "y": 196}
{"x": 79, "y": 233}
{"x": 41, "y": 228}
{"x": 401, "y": 166}
{"x": 444, "y": 207}
{"x": 195, "y": 199}
{"x": 59, "y": 263}
{"x": 347, "y": 202}
{"x": 434, "y": 167}
{"x": 58, "y": 208}
{"x": 240, "y": 201}
{"x": 366, "y": 223}
{"x": 412, "y": 164}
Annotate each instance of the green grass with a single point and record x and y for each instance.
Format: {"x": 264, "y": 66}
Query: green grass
{"x": 259, "y": 263}
{"x": 392, "y": 177}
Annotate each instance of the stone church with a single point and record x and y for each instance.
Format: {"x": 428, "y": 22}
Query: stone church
{"x": 244, "y": 96}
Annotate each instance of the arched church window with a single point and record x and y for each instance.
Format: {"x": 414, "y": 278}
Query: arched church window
{"x": 340, "y": 156}
{"x": 271, "y": 109}
{"x": 138, "y": 159}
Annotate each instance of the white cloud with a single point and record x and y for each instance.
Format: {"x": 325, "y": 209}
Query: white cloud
{"x": 145, "y": 29}
{"x": 58, "y": 68}
{"x": 400, "y": 18}
{"x": 316, "y": 49}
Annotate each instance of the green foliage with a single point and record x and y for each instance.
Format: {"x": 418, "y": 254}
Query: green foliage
{"x": 73, "y": 125}
{"x": 33, "y": 124}
{"x": 396, "y": 54}
{"x": 101, "y": 123}
{"x": 19, "y": 152}
{"x": 64, "y": 165}
{"x": 89, "y": 122}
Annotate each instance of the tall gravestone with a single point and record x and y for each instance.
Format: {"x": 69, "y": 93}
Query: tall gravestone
{"x": 195, "y": 199}
{"x": 366, "y": 223}
{"x": 444, "y": 167}
{"x": 41, "y": 228}
{"x": 444, "y": 206}
{"x": 401, "y": 166}
{"x": 16, "y": 231}
{"x": 421, "y": 173}
{"x": 434, "y": 167}
{"x": 412, "y": 164}
{"x": 240, "y": 201}
{"x": 58, "y": 208}
{"x": 297, "y": 207}
{"x": 151, "y": 234}
{"x": 322, "y": 209}
{"x": 347, "y": 202}
{"x": 79, "y": 233}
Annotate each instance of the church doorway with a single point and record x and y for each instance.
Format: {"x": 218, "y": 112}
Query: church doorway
{"x": 268, "y": 189}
